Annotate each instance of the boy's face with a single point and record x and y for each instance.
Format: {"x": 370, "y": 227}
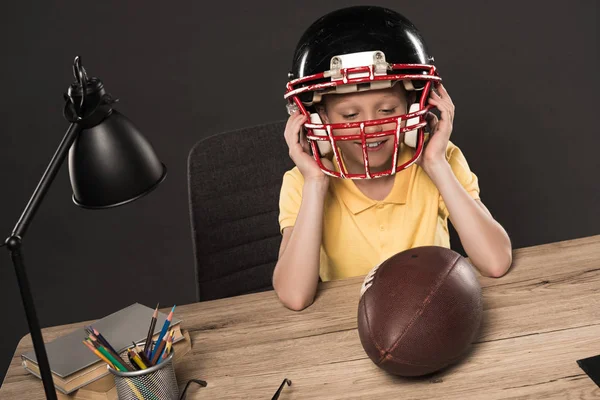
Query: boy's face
{"x": 362, "y": 106}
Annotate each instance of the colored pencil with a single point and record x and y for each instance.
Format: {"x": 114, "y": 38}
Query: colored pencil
{"x": 106, "y": 353}
{"x": 100, "y": 355}
{"x": 141, "y": 353}
{"x": 148, "y": 344}
{"x": 103, "y": 340}
{"x": 168, "y": 347}
{"x": 93, "y": 343}
{"x": 90, "y": 331}
{"x": 166, "y": 339}
{"x": 163, "y": 332}
{"x": 135, "y": 360}
{"x": 170, "y": 340}
{"x": 158, "y": 350}
{"x": 138, "y": 359}
{"x": 111, "y": 352}
{"x": 131, "y": 362}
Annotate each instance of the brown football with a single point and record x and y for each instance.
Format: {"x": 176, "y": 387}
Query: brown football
{"x": 419, "y": 311}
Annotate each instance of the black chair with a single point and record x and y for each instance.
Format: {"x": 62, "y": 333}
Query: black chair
{"x": 234, "y": 180}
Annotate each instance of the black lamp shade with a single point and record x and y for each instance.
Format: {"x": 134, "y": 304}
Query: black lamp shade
{"x": 111, "y": 164}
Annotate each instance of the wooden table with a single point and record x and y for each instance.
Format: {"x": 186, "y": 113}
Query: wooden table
{"x": 538, "y": 320}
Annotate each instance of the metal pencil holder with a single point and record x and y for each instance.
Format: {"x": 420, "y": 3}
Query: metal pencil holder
{"x": 155, "y": 383}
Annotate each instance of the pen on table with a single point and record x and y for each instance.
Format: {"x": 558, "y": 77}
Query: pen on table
{"x": 148, "y": 344}
{"x": 163, "y": 332}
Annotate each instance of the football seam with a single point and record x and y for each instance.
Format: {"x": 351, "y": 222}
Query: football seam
{"x": 389, "y": 356}
{"x": 420, "y": 311}
{"x": 370, "y": 332}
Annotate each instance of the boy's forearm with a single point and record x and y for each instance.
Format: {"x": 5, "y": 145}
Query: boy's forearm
{"x": 483, "y": 238}
{"x": 296, "y": 274}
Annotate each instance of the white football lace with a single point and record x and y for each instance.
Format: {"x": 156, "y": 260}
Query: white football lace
{"x": 368, "y": 280}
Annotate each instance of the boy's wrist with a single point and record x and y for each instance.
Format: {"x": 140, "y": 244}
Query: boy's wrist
{"x": 437, "y": 168}
{"x": 318, "y": 185}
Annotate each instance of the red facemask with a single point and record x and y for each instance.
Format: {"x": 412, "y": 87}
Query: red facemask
{"x": 320, "y": 136}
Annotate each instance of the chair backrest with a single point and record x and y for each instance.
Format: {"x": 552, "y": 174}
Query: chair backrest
{"x": 234, "y": 180}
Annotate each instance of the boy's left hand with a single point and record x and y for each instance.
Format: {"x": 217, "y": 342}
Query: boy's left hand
{"x": 435, "y": 149}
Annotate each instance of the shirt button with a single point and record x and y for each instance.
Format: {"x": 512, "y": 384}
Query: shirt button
{"x": 380, "y": 206}
{"x": 381, "y": 228}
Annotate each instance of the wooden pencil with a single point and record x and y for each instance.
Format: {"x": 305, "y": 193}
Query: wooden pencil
{"x": 141, "y": 354}
{"x": 148, "y": 344}
{"x": 130, "y": 357}
{"x": 169, "y": 345}
{"x": 158, "y": 350}
{"x": 120, "y": 366}
{"x": 137, "y": 360}
{"x": 163, "y": 332}
{"x": 102, "y": 339}
{"x": 95, "y": 341}
{"x": 97, "y": 353}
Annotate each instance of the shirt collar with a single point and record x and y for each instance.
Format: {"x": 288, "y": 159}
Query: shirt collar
{"x": 358, "y": 202}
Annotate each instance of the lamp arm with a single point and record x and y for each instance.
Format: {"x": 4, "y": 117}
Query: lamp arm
{"x": 14, "y": 242}
{"x": 42, "y": 188}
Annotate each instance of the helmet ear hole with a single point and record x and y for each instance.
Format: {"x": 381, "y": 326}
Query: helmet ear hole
{"x": 418, "y": 84}
{"x": 306, "y": 97}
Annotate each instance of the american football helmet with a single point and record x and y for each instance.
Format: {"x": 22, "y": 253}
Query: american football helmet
{"x": 356, "y": 49}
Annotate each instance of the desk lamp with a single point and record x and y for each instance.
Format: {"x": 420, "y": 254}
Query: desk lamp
{"x": 110, "y": 164}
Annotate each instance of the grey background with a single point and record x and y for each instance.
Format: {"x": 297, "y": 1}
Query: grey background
{"x": 523, "y": 76}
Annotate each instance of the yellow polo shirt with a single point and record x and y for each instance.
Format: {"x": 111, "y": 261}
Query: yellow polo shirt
{"x": 359, "y": 233}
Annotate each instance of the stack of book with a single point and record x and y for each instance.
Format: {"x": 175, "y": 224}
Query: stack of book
{"x": 79, "y": 374}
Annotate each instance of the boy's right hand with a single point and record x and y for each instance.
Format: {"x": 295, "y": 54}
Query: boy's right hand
{"x": 299, "y": 149}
